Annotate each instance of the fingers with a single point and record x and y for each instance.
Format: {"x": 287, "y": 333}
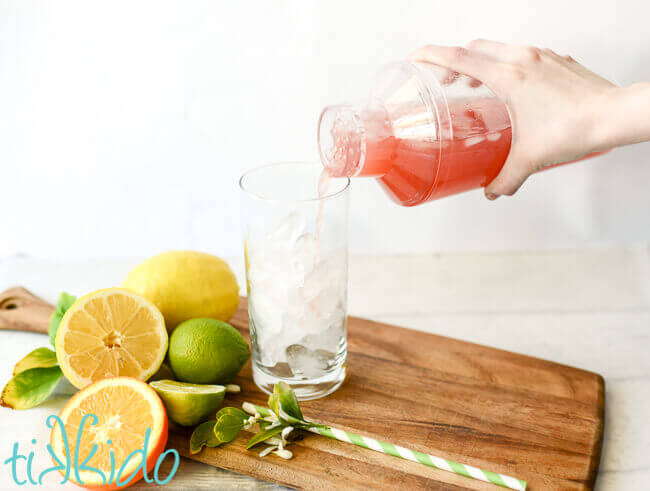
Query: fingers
{"x": 487, "y": 51}
{"x": 456, "y": 59}
{"x": 493, "y": 49}
{"x": 508, "y": 181}
{"x": 507, "y": 53}
{"x": 448, "y": 77}
{"x": 473, "y": 83}
{"x": 564, "y": 60}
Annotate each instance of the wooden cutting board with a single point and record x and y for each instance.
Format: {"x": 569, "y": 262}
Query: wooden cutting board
{"x": 529, "y": 418}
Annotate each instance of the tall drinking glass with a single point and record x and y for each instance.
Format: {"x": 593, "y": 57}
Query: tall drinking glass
{"x": 295, "y": 227}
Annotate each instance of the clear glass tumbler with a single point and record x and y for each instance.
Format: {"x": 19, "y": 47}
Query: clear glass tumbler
{"x": 295, "y": 227}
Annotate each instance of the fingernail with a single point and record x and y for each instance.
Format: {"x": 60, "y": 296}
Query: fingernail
{"x": 491, "y": 196}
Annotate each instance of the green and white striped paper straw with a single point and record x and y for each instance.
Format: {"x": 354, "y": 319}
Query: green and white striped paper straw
{"x": 405, "y": 453}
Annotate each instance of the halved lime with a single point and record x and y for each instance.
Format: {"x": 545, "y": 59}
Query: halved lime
{"x": 189, "y": 404}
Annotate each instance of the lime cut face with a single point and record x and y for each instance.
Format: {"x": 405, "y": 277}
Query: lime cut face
{"x": 189, "y": 404}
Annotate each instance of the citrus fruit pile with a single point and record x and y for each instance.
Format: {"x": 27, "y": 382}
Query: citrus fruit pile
{"x": 110, "y": 342}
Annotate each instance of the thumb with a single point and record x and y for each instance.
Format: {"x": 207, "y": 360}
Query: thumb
{"x": 512, "y": 176}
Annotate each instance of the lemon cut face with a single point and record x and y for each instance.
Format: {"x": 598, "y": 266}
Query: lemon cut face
{"x": 111, "y": 333}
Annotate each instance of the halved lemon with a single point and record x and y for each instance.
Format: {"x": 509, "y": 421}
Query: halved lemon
{"x": 124, "y": 408}
{"x": 111, "y": 333}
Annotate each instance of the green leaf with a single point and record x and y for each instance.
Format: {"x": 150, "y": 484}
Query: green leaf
{"x": 30, "y": 387}
{"x": 203, "y": 435}
{"x": 264, "y": 435}
{"x": 39, "y": 358}
{"x": 65, "y": 302}
{"x": 228, "y": 426}
{"x": 274, "y": 403}
{"x": 233, "y": 411}
{"x": 284, "y": 398}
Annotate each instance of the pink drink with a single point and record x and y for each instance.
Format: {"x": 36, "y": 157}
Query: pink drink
{"x": 416, "y": 170}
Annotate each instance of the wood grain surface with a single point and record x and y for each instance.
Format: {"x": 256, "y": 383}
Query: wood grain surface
{"x": 504, "y": 412}
{"x": 529, "y": 418}
{"x": 20, "y": 310}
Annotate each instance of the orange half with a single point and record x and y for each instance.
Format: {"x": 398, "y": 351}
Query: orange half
{"x": 125, "y": 408}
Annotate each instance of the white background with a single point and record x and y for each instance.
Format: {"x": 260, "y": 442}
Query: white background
{"x": 125, "y": 125}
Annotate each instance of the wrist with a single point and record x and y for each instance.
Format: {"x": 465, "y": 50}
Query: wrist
{"x": 620, "y": 117}
{"x": 603, "y": 116}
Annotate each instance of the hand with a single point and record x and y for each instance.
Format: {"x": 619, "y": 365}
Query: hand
{"x": 555, "y": 104}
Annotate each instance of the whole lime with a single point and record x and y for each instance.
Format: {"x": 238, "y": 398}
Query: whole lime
{"x": 207, "y": 351}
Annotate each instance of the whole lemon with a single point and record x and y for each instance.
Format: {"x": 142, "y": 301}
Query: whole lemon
{"x": 207, "y": 351}
{"x": 185, "y": 285}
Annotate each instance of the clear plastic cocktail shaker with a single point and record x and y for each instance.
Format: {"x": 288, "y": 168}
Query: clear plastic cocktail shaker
{"x": 424, "y": 133}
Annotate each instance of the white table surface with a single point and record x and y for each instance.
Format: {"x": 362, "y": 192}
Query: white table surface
{"x": 585, "y": 308}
